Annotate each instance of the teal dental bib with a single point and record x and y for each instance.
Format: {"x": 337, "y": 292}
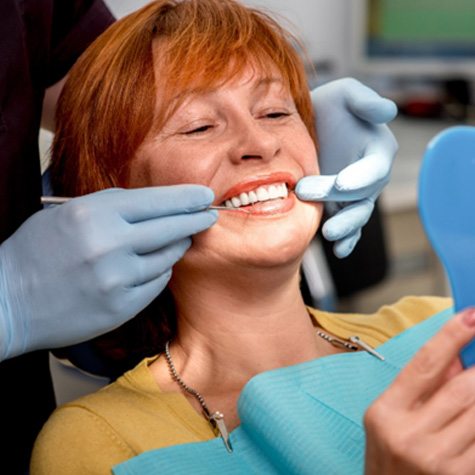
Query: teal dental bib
{"x": 299, "y": 420}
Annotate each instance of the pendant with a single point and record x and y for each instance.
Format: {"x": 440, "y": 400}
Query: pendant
{"x": 217, "y": 421}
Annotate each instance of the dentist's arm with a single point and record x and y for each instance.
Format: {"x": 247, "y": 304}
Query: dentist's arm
{"x": 356, "y": 154}
{"x": 74, "y": 271}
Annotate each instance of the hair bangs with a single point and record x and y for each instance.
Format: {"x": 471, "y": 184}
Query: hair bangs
{"x": 200, "y": 46}
{"x": 129, "y": 81}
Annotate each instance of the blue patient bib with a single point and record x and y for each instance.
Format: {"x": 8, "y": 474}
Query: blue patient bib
{"x": 303, "y": 419}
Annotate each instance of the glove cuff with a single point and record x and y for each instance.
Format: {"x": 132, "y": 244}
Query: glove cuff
{"x": 12, "y": 341}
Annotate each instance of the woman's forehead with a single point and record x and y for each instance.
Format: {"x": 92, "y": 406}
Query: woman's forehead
{"x": 257, "y": 76}
{"x": 175, "y": 87}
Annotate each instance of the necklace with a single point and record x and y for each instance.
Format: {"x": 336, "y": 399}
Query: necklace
{"x": 216, "y": 419}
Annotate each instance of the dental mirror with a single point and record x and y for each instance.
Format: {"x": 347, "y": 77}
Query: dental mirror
{"x": 447, "y": 211}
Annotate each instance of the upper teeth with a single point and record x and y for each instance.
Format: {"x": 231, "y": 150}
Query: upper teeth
{"x": 262, "y": 193}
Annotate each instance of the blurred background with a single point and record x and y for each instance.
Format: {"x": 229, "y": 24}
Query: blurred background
{"x": 419, "y": 53}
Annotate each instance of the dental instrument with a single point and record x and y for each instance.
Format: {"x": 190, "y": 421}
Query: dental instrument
{"x": 59, "y": 200}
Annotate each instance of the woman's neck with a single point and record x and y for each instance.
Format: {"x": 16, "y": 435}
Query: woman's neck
{"x": 235, "y": 326}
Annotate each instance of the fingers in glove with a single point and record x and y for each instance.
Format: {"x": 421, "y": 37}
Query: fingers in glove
{"x": 140, "y": 296}
{"x": 141, "y": 204}
{"x": 152, "y": 235}
{"x": 367, "y": 175}
{"x": 344, "y": 247}
{"x": 139, "y": 281}
{"x": 154, "y": 275}
{"x": 348, "y": 220}
{"x": 367, "y": 104}
{"x": 149, "y": 267}
{"x": 323, "y": 188}
{"x": 316, "y": 188}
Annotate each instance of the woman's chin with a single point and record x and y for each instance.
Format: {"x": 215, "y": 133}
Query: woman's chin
{"x": 282, "y": 254}
{"x": 260, "y": 243}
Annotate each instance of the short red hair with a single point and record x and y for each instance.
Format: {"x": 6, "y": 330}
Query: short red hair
{"x": 108, "y": 105}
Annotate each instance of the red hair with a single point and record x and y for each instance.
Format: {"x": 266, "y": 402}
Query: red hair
{"x": 108, "y": 105}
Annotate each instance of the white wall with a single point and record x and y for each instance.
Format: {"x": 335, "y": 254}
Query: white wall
{"x": 321, "y": 24}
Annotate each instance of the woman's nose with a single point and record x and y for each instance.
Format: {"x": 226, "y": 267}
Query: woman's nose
{"x": 254, "y": 141}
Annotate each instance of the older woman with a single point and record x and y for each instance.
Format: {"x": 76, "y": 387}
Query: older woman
{"x": 207, "y": 92}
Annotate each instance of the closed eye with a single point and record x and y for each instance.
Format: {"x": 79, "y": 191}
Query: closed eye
{"x": 276, "y": 115}
{"x": 198, "y": 130}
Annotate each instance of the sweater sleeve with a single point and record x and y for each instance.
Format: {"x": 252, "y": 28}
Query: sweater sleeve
{"x": 76, "y": 441}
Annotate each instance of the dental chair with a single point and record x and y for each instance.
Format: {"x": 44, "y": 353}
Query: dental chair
{"x": 316, "y": 284}
{"x": 366, "y": 266}
{"x": 70, "y": 382}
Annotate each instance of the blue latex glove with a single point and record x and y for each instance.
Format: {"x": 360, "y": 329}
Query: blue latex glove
{"x": 356, "y": 155}
{"x": 74, "y": 271}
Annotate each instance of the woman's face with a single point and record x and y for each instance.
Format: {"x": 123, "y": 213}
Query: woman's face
{"x": 247, "y": 142}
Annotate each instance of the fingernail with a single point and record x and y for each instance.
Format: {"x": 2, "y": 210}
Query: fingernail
{"x": 469, "y": 317}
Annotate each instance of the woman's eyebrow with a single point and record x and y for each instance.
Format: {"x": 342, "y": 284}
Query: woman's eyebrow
{"x": 264, "y": 82}
{"x": 268, "y": 81}
{"x": 264, "y": 86}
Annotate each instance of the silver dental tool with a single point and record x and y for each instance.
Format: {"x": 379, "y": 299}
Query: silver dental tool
{"x": 59, "y": 200}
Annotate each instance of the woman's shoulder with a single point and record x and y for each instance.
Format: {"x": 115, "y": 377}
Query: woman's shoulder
{"x": 132, "y": 394}
{"x": 386, "y": 322}
{"x": 84, "y": 435}
{"x": 414, "y": 309}
{"x": 75, "y": 440}
{"x": 121, "y": 420}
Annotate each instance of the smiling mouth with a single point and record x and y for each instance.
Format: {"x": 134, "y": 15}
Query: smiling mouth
{"x": 263, "y": 193}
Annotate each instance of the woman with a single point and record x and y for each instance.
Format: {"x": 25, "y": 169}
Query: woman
{"x": 233, "y": 113}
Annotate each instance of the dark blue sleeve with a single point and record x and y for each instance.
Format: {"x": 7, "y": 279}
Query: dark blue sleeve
{"x": 75, "y": 25}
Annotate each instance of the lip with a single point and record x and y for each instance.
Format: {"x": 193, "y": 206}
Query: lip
{"x": 255, "y": 182}
{"x": 269, "y": 208}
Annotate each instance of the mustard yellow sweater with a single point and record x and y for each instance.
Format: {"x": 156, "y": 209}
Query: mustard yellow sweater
{"x": 132, "y": 415}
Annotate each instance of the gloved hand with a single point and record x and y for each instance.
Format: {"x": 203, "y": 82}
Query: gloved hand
{"x": 74, "y": 271}
{"x": 356, "y": 155}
